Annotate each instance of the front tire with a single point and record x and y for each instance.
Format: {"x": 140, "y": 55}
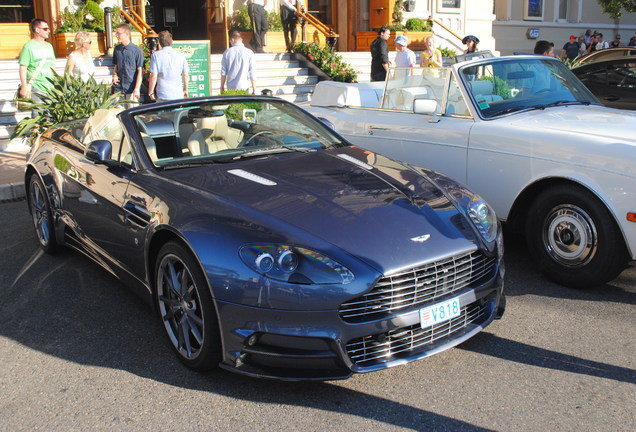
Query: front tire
{"x": 186, "y": 308}
{"x": 574, "y": 238}
{"x": 41, "y": 215}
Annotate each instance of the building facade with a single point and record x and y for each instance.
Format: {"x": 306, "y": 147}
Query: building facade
{"x": 503, "y": 26}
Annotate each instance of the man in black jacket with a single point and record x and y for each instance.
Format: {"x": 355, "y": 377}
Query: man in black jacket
{"x": 380, "y": 55}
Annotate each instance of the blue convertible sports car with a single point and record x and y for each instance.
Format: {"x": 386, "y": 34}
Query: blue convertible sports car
{"x": 267, "y": 244}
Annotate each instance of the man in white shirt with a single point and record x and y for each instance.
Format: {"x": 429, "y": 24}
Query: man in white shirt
{"x": 168, "y": 72}
{"x": 404, "y": 56}
{"x": 600, "y": 43}
{"x": 258, "y": 15}
{"x": 290, "y": 21}
{"x": 237, "y": 66}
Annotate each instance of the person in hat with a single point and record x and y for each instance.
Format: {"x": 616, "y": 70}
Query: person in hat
{"x": 431, "y": 56}
{"x": 571, "y": 49}
{"x": 404, "y": 56}
{"x": 471, "y": 44}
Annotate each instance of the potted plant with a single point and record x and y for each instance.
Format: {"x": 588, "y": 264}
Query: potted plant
{"x": 323, "y": 63}
{"x": 69, "y": 98}
{"x": 89, "y": 17}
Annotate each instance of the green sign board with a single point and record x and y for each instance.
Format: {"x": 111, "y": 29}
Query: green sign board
{"x": 198, "y": 54}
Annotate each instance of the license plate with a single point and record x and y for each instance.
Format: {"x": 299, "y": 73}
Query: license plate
{"x": 440, "y": 312}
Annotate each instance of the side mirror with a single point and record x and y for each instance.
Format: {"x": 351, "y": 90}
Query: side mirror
{"x": 327, "y": 123}
{"x": 424, "y": 106}
{"x": 99, "y": 151}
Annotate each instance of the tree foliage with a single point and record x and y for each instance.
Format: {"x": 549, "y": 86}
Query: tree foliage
{"x": 614, "y": 8}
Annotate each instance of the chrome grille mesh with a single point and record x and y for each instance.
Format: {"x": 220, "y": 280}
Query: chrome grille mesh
{"x": 406, "y": 341}
{"x": 414, "y": 287}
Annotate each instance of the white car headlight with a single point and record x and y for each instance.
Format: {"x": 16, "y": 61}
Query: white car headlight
{"x": 294, "y": 264}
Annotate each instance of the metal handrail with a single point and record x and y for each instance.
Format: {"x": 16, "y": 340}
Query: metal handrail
{"x": 319, "y": 25}
{"x": 137, "y": 21}
{"x": 432, "y": 20}
{"x": 331, "y": 37}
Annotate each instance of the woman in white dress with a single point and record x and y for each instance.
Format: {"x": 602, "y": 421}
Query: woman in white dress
{"x": 80, "y": 62}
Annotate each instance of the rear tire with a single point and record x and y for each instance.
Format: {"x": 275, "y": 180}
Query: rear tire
{"x": 186, "y": 308}
{"x": 574, "y": 238}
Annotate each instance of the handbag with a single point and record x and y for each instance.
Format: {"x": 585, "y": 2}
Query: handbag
{"x": 21, "y": 104}
{"x": 24, "y": 105}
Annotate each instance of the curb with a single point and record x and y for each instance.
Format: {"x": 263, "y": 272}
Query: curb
{"x": 12, "y": 192}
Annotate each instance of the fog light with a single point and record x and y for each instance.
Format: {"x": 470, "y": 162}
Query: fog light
{"x": 251, "y": 341}
{"x": 265, "y": 262}
{"x": 288, "y": 261}
{"x": 240, "y": 360}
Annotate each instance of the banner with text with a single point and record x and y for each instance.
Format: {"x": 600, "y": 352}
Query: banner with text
{"x": 197, "y": 53}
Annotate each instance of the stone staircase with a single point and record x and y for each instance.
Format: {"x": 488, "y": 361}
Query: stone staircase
{"x": 276, "y": 72}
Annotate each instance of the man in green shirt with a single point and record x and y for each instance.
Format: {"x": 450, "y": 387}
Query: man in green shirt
{"x": 36, "y": 60}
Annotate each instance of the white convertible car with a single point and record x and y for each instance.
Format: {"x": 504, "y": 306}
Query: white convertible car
{"x": 525, "y": 134}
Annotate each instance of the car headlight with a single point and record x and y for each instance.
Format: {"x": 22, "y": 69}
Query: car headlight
{"x": 484, "y": 218}
{"x": 294, "y": 264}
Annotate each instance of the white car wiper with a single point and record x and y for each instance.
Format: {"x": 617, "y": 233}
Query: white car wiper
{"x": 563, "y": 103}
{"x": 523, "y": 108}
{"x": 516, "y": 108}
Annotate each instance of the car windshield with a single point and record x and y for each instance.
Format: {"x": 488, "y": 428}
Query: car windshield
{"x": 228, "y": 131}
{"x": 504, "y": 87}
{"x": 405, "y": 85}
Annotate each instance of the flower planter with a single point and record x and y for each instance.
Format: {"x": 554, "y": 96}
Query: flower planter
{"x": 14, "y": 36}
{"x": 417, "y": 39}
{"x": 276, "y": 39}
{"x": 64, "y": 43}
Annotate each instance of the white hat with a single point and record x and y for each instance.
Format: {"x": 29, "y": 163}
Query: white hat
{"x": 402, "y": 40}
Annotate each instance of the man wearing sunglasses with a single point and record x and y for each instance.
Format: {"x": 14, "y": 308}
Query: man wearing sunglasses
{"x": 36, "y": 60}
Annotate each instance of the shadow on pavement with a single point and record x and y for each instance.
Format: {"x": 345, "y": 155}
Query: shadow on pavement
{"x": 66, "y": 306}
{"x": 519, "y": 352}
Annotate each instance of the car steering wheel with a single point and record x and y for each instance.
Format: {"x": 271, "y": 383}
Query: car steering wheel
{"x": 248, "y": 141}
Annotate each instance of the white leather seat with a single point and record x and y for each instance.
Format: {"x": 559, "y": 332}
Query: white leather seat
{"x": 150, "y": 145}
{"x": 209, "y": 136}
{"x": 483, "y": 91}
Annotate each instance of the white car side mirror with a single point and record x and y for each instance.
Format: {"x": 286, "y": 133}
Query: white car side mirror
{"x": 424, "y": 106}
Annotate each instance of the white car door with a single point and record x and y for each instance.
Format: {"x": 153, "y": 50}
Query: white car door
{"x": 435, "y": 142}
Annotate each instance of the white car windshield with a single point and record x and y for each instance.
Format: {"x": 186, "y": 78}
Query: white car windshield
{"x": 514, "y": 85}
{"x": 405, "y": 85}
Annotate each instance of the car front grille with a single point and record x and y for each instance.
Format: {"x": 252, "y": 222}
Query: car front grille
{"x": 415, "y": 287}
{"x": 406, "y": 341}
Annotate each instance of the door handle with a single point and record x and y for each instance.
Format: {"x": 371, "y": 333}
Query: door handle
{"x": 611, "y": 98}
{"x": 137, "y": 214}
{"x": 378, "y": 128}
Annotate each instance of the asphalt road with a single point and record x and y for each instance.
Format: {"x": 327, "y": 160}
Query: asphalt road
{"x": 78, "y": 351}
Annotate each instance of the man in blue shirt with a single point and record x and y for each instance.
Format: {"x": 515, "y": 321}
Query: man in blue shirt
{"x": 129, "y": 62}
{"x": 237, "y": 65}
{"x": 168, "y": 71}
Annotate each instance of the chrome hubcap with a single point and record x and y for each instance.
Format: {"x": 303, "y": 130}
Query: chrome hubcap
{"x": 179, "y": 305}
{"x": 569, "y": 236}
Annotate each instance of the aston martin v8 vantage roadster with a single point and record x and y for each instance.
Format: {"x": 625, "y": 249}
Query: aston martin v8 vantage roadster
{"x": 267, "y": 244}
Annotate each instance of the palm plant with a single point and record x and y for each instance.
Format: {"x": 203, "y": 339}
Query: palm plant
{"x": 69, "y": 98}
